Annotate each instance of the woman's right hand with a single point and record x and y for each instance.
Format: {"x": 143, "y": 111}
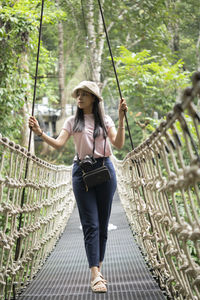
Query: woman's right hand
{"x": 34, "y": 125}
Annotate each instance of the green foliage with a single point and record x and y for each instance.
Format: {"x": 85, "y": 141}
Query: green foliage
{"x": 150, "y": 84}
{"x": 148, "y": 75}
{"x": 14, "y": 31}
{"x": 151, "y": 73}
{"x": 19, "y": 22}
{"x": 58, "y": 157}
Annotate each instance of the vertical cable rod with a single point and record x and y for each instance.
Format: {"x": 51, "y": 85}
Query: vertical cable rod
{"x": 114, "y": 68}
{"x": 18, "y": 244}
{"x": 138, "y": 165}
{"x": 36, "y": 71}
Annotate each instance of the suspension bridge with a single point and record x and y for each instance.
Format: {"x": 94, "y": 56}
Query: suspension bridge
{"x": 153, "y": 254}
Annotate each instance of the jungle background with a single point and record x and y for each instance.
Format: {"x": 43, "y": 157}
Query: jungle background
{"x": 156, "y": 45}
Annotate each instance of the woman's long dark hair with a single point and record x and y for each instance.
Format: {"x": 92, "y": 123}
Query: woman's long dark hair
{"x": 79, "y": 123}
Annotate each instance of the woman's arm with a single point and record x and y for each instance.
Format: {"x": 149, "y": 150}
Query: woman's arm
{"x": 117, "y": 137}
{"x": 56, "y": 143}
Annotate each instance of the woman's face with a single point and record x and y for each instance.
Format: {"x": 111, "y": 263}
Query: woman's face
{"x": 85, "y": 101}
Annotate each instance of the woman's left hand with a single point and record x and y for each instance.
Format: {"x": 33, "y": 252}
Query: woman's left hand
{"x": 122, "y": 108}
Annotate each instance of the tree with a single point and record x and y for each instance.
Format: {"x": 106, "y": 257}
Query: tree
{"x": 14, "y": 32}
{"x": 139, "y": 25}
{"x": 19, "y": 36}
{"x": 150, "y": 84}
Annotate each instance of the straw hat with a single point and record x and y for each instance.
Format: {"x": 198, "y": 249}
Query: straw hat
{"x": 88, "y": 86}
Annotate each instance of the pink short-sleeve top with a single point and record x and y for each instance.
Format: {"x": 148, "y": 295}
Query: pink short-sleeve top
{"x": 84, "y": 140}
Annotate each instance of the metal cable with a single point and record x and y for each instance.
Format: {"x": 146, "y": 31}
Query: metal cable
{"x": 17, "y": 250}
{"x": 36, "y": 71}
{"x": 113, "y": 64}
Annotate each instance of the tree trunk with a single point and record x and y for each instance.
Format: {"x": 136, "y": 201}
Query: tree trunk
{"x": 91, "y": 39}
{"x": 96, "y": 41}
{"x": 173, "y": 28}
{"x": 27, "y": 108}
{"x": 174, "y": 42}
{"x": 61, "y": 67}
{"x": 198, "y": 52}
{"x": 99, "y": 49}
{"x": 96, "y": 38}
{"x": 198, "y": 62}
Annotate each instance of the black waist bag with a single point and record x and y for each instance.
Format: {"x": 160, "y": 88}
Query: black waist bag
{"x": 96, "y": 177}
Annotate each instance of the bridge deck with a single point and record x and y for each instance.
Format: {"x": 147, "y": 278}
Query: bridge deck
{"x": 65, "y": 275}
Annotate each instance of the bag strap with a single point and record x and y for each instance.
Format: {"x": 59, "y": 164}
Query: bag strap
{"x": 104, "y": 151}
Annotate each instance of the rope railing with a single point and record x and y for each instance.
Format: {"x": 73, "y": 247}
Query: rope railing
{"x": 160, "y": 191}
{"x": 47, "y": 204}
{"x": 158, "y": 183}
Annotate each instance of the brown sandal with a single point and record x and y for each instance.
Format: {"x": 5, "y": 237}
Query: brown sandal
{"x": 98, "y": 285}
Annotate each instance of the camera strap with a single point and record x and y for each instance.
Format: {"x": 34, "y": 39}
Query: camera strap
{"x": 78, "y": 159}
{"x": 104, "y": 151}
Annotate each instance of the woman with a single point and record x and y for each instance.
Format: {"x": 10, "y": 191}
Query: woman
{"x": 90, "y": 129}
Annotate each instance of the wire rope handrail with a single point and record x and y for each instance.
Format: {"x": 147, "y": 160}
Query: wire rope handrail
{"x": 166, "y": 222}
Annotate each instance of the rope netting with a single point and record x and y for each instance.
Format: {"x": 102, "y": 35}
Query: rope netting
{"x": 36, "y": 201}
{"x": 158, "y": 183}
{"x": 160, "y": 190}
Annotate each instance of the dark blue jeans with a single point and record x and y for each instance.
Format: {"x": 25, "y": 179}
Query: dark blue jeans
{"x": 94, "y": 209}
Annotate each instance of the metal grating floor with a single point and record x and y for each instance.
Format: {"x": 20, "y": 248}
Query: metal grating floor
{"x": 66, "y": 276}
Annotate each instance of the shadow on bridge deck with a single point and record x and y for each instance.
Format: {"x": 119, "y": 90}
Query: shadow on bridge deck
{"x": 65, "y": 275}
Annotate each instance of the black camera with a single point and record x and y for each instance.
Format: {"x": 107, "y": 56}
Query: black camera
{"x": 87, "y": 163}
